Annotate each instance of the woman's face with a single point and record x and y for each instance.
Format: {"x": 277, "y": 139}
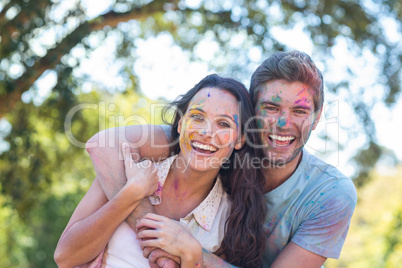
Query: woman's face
{"x": 210, "y": 129}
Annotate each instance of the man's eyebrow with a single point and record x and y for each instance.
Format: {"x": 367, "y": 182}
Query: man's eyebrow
{"x": 307, "y": 107}
{"x": 267, "y": 102}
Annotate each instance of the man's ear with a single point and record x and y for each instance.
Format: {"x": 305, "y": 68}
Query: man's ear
{"x": 239, "y": 144}
{"x": 317, "y": 119}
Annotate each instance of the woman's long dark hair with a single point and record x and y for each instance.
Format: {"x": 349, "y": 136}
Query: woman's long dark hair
{"x": 244, "y": 240}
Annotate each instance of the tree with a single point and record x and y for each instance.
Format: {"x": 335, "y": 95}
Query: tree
{"x": 375, "y": 234}
{"x": 43, "y": 176}
{"x": 41, "y": 37}
{"x": 25, "y": 57}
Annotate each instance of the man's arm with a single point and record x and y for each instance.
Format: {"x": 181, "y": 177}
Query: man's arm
{"x": 210, "y": 260}
{"x": 323, "y": 232}
{"x": 146, "y": 141}
{"x": 295, "y": 256}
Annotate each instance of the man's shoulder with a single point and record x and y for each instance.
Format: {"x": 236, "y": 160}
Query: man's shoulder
{"x": 322, "y": 169}
{"x": 329, "y": 178}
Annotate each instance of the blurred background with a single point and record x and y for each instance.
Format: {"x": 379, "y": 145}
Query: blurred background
{"x": 69, "y": 69}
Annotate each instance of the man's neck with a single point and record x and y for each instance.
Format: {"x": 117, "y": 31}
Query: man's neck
{"x": 275, "y": 176}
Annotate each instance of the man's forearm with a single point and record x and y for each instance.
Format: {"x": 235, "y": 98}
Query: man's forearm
{"x": 211, "y": 260}
{"x": 107, "y": 161}
{"x": 104, "y": 150}
{"x": 143, "y": 208}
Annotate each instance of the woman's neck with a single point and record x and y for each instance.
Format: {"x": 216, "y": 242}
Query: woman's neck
{"x": 184, "y": 189}
{"x": 191, "y": 181}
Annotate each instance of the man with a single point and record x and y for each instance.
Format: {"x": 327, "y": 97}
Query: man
{"x": 310, "y": 203}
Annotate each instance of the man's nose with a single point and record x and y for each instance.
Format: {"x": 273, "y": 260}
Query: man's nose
{"x": 283, "y": 121}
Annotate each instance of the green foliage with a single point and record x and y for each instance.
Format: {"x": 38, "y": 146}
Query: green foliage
{"x": 44, "y": 175}
{"x": 359, "y": 23}
{"x": 375, "y": 234}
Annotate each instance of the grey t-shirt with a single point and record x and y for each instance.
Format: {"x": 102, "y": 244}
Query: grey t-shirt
{"x": 312, "y": 209}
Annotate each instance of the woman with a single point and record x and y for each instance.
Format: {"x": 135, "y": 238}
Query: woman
{"x": 209, "y": 122}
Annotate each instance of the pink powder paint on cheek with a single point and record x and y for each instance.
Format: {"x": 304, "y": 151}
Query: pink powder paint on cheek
{"x": 176, "y": 184}
{"x": 226, "y": 138}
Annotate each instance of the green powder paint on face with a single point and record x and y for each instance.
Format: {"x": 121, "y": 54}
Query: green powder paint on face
{"x": 276, "y": 98}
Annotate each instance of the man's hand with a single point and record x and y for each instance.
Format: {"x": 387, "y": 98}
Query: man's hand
{"x": 161, "y": 258}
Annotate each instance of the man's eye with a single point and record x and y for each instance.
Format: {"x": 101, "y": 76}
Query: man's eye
{"x": 300, "y": 112}
{"x": 271, "y": 108}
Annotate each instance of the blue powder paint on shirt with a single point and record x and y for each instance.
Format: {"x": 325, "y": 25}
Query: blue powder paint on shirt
{"x": 209, "y": 95}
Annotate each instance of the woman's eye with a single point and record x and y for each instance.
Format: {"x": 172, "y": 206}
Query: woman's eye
{"x": 224, "y": 124}
{"x": 196, "y": 117}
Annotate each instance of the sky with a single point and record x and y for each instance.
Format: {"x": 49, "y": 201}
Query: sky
{"x": 165, "y": 70}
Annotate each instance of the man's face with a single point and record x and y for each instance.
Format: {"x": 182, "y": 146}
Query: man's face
{"x": 286, "y": 110}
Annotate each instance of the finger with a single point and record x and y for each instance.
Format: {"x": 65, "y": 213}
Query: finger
{"x": 154, "y": 169}
{"x": 155, "y": 217}
{"x": 149, "y": 223}
{"x": 166, "y": 262}
{"x": 147, "y": 250}
{"x": 159, "y": 253}
{"x": 149, "y": 243}
{"x": 148, "y": 234}
{"x": 126, "y": 154}
{"x": 145, "y": 163}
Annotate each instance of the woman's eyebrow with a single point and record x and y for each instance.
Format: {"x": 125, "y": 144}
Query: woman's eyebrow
{"x": 197, "y": 109}
{"x": 228, "y": 116}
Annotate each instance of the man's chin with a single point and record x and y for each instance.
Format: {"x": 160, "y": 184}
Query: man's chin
{"x": 280, "y": 160}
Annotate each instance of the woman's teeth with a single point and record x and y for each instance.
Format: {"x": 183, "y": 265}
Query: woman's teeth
{"x": 204, "y": 147}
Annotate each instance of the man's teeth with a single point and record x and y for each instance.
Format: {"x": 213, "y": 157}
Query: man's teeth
{"x": 282, "y": 138}
{"x": 204, "y": 147}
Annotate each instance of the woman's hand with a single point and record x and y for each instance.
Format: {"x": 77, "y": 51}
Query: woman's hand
{"x": 141, "y": 177}
{"x": 171, "y": 236}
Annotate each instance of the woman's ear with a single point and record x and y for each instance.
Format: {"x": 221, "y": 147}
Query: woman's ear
{"x": 179, "y": 125}
{"x": 239, "y": 144}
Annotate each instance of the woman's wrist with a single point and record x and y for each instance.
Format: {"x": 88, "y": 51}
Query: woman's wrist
{"x": 132, "y": 193}
{"x": 192, "y": 256}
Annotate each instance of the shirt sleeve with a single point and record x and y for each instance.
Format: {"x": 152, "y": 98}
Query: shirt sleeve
{"x": 167, "y": 129}
{"x": 324, "y": 230}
